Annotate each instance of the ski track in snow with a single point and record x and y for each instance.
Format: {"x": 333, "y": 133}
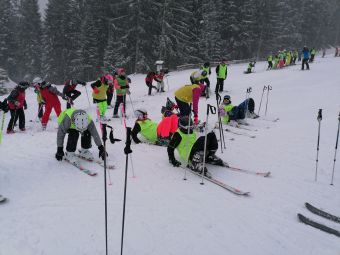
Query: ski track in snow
{"x": 53, "y": 208}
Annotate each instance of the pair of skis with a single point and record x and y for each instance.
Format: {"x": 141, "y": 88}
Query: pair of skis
{"x": 86, "y": 170}
{"x": 227, "y": 187}
{"x": 318, "y": 225}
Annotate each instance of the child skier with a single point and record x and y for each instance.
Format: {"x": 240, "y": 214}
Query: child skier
{"x": 250, "y": 67}
{"x": 121, "y": 84}
{"x": 99, "y": 88}
{"x": 159, "y": 78}
{"x": 71, "y": 92}
{"x": 148, "y": 81}
{"x": 17, "y": 105}
{"x": 191, "y": 149}
{"x": 221, "y": 73}
{"x": 73, "y": 122}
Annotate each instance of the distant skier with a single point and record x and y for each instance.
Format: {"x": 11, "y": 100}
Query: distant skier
{"x": 121, "y": 84}
{"x": 159, "y": 78}
{"x": 233, "y": 115}
{"x": 191, "y": 149}
{"x": 50, "y": 96}
{"x": 73, "y": 122}
{"x": 186, "y": 95}
{"x": 305, "y": 59}
{"x": 148, "y": 81}
{"x": 70, "y": 90}
{"x": 206, "y": 67}
{"x": 336, "y": 52}
{"x": 36, "y": 84}
{"x": 221, "y": 73}
{"x": 17, "y": 104}
{"x": 270, "y": 62}
{"x": 99, "y": 88}
{"x": 251, "y": 65}
{"x": 312, "y": 55}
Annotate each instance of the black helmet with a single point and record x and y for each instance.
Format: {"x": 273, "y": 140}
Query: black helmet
{"x": 226, "y": 97}
{"x": 206, "y": 64}
{"x": 23, "y": 85}
{"x": 204, "y": 73}
{"x": 185, "y": 123}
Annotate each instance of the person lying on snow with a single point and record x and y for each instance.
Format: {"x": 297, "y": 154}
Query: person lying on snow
{"x": 191, "y": 149}
{"x": 73, "y": 122}
{"x": 158, "y": 134}
{"x": 233, "y": 115}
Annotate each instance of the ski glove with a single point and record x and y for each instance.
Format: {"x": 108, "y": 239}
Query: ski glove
{"x": 102, "y": 152}
{"x": 175, "y": 162}
{"x": 60, "y": 153}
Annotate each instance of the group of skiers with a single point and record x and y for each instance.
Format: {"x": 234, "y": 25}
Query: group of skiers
{"x": 289, "y": 57}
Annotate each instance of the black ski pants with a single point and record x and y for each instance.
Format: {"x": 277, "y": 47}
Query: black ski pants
{"x": 109, "y": 96}
{"x": 72, "y": 140}
{"x": 219, "y": 85}
{"x": 270, "y": 64}
{"x": 119, "y": 100}
{"x": 305, "y": 62}
{"x": 73, "y": 95}
{"x": 184, "y": 108}
{"x": 212, "y": 144}
{"x": 15, "y": 115}
{"x": 40, "y": 110}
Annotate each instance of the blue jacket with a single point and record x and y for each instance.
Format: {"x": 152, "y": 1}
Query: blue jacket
{"x": 305, "y": 53}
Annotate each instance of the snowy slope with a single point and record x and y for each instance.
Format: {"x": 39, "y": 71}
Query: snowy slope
{"x": 53, "y": 208}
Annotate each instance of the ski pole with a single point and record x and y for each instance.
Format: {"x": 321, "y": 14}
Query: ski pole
{"x": 127, "y": 151}
{"x": 319, "y": 118}
{"x": 124, "y": 120}
{"x": 133, "y": 109}
{"x": 220, "y": 127}
{"x": 87, "y": 94}
{"x": 336, "y": 148}
{"x": 104, "y": 138}
{"x": 2, "y": 125}
{"x": 187, "y": 145}
{"x": 211, "y": 109}
{"x": 264, "y": 89}
{"x": 268, "y": 89}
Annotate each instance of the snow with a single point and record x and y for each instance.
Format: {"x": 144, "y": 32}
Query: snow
{"x": 53, "y": 208}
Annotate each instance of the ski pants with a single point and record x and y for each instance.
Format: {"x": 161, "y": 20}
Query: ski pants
{"x": 15, "y": 115}
{"x": 239, "y": 112}
{"x": 109, "y": 96}
{"x": 212, "y": 145}
{"x": 72, "y": 140}
{"x": 40, "y": 110}
{"x": 184, "y": 108}
{"x": 305, "y": 62}
{"x": 219, "y": 85}
{"x": 120, "y": 99}
{"x": 270, "y": 64}
{"x": 48, "y": 110}
{"x": 73, "y": 95}
{"x": 149, "y": 84}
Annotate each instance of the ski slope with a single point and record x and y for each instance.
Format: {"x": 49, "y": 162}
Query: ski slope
{"x": 54, "y": 209}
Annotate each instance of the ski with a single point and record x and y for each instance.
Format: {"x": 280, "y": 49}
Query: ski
{"x": 98, "y": 161}
{"x": 223, "y": 185}
{"x": 322, "y": 213}
{"x": 268, "y": 119}
{"x": 236, "y": 169}
{"x": 246, "y": 127}
{"x": 239, "y": 133}
{"x": 318, "y": 225}
{"x": 83, "y": 169}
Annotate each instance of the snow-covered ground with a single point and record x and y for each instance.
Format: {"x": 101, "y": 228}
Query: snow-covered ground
{"x": 55, "y": 209}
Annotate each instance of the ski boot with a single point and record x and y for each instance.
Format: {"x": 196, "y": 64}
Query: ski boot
{"x": 215, "y": 160}
{"x": 86, "y": 154}
{"x": 72, "y": 158}
{"x": 197, "y": 164}
{"x": 252, "y": 115}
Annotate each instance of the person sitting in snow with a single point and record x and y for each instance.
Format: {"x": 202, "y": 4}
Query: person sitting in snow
{"x": 73, "y": 122}
{"x": 17, "y": 105}
{"x": 233, "y": 114}
{"x": 251, "y": 65}
{"x": 154, "y": 133}
{"x": 148, "y": 81}
{"x": 191, "y": 149}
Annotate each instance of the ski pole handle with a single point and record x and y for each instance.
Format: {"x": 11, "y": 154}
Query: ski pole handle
{"x": 270, "y": 87}
{"x": 211, "y": 108}
{"x": 320, "y": 115}
{"x": 249, "y": 90}
{"x": 264, "y": 88}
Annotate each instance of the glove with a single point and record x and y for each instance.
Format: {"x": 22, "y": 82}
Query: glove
{"x": 175, "y": 162}
{"x": 65, "y": 97}
{"x": 25, "y": 106}
{"x": 195, "y": 120}
{"x": 60, "y": 153}
{"x": 95, "y": 90}
{"x": 102, "y": 152}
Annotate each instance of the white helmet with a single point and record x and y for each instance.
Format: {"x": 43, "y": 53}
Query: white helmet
{"x": 37, "y": 80}
{"x": 81, "y": 120}
{"x": 141, "y": 114}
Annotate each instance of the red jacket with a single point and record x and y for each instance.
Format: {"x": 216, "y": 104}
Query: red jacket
{"x": 150, "y": 77}
{"x": 50, "y": 95}
{"x": 16, "y": 100}
{"x": 69, "y": 86}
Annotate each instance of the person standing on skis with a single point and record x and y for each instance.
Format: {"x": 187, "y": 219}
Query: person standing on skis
{"x": 121, "y": 84}
{"x": 191, "y": 149}
{"x": 74, "y": 122}
{"x": 221, "y": 73}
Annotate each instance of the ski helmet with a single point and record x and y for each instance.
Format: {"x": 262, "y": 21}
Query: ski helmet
{"x": 141, "y": 114}
{"x": 121, "y": 71}
{"x": 185, "y": 123}
{"x": 23, "y": 85}
{"x": 81, "y": 120}
{"x": 206, "y": 64}
{"x": 204, "y": 73}
{"x": 226, "y": 97}
{"x": 45, "y": 84}
{"x": 37, "y": 80}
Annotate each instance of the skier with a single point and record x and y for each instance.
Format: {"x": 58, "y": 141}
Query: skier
{"x": 250, "y": 66}
{"x": 154, "y": 133}
{"x": 99, "y": 87}
{"x": 159, "y": 78}
{"x": 50, "y": 96}
{"x": 36, "y": 84}
{"x": 206, "y": 67}
{"x": 73, "y": 122}
{"x": 305, "y": 59}
{"x": 191, "y": 149}
{"x": 233, "y": 115}
{"x": 71, "y": 92}
{"x": 17, "y": 104}
{"x": 312, "y": 55}
{"x": 186, "y": 95}
{"x": 323, "y": 53}
{"x": 336, "y": 52}
{"x": 110, "y": 90}
{"x": 121, "y": 84}
{"x": 198, "y": 77}
{"x": 148, "y": 81}
{"x": 270, "y": 62}
{"x": 276, "y": 61}
{"x": 221, "y": 73}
